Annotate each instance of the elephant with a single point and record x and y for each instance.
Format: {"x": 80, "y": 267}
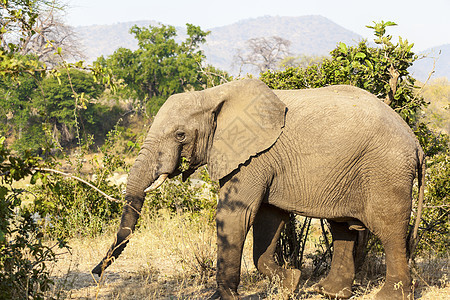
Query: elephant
{"x": 336, "y": 153}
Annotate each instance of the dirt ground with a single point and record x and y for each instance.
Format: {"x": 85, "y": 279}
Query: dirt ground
{"x": 161, "y": 262}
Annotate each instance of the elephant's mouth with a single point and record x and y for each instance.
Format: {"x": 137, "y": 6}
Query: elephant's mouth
{"x": 157, "y": 183}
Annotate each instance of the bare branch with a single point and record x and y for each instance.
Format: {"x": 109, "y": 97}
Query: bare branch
{"x": 79, "y": 179}
{"x": 51, "y": 34}
{"x": 88, "y": 184}
{"x": 264, "y": 53}
{"x": 210, "y": 75}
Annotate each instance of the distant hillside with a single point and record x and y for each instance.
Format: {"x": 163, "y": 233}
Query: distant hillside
{"x": 100, "y": 40}
{"x": 438, "y": 56}
{"x": 311, "y": 35}
{"x": 308, "y": 35}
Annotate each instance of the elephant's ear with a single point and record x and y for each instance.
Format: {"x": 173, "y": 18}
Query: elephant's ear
{"x": 249, "y": 120}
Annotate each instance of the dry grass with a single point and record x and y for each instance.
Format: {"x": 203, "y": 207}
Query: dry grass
{"x": 173, "y": 257}
{"x": 437, "y": 113}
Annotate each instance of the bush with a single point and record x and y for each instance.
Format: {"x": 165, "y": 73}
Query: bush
{"x": 23, "y": 254}
{"x": 71, "y": 208}
{"x": 435, "y": 228}
{"x": 193, "y": 195}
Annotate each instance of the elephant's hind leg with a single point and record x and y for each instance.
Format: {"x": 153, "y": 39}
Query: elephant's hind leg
{"x": 392, "y": 205}
{"x": 267, "y": 227}
{"x": 398, "y": 280}
{"x": 338, "y": 283}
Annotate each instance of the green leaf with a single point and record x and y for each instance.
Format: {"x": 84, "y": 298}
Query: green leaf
{"x": 360, "y": 55}
{"x": 390, "y": 23}
{"x": 343, "y": 48}
{"x": 79, "y": 64}
{"x": 2, "y": 237}
{"x": 34, "y": 178}
{"x": 3, "y": 192}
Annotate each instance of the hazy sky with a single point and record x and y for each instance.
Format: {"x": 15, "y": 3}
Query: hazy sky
{"x": 424, "y": 22}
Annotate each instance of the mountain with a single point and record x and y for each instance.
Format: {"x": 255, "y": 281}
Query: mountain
{"x": 437, "y": 59}
{"x": 312, "y": 35}
{"x": 100, "y": 40}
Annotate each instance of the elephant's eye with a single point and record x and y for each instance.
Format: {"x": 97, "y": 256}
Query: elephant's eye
{"x": 180, "y": 135}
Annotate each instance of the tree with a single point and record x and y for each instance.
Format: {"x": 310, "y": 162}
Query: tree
{"x": 59, "y": 108}
{"x": 19, "y": 74}
{"x": 18, "y": 19}
{"x": 24, "y": 253}
{"x": 32, "y": 39}
{"x": 161, "y": 66}
{"x": 50, "y": 27}
{"x": 18, "y": 25}
{"x": 23, "y": 256}
{"x": 264, "y": 53}
{"x": 37, "y": 111}
{"x": 20, "y": 118}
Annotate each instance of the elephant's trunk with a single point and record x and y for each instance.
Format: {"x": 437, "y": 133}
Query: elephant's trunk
{"x": 140, "y": 180}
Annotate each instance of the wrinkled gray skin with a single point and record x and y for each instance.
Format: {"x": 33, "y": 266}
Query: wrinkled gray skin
{"x": 337, "y": 153}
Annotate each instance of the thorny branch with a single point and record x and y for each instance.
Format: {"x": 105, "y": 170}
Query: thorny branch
{"x": 87, "y": 183}
{"x": 210, "y": 74}
{"x": 431, "y": 72}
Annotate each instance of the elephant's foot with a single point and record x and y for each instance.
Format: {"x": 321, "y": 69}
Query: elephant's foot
{"x": 394, "y": 291}
{"x": 224, "y": 295}
{"x": 291, "y": 279}
{"x": 216, "y": 295}
{"x": 341, "y": 289}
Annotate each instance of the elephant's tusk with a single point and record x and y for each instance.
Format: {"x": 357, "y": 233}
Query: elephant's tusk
{"x": 157, "y": 183}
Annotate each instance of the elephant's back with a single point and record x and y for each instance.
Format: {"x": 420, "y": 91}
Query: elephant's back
{"x": 336, "y": 101}
{"x": 344, "y": 123}
{"x": 344, "y": 110}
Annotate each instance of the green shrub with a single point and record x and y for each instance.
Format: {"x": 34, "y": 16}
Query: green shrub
{"x": 193, "y": 195}
{"x": 435, "y": 226}
{"x": 71, "y": 208}
{"x": 23, "y": 253}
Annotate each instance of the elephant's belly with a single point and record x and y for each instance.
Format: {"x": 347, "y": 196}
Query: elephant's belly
{"x": 319, "y": 199}
{"x": 312, "y": 181}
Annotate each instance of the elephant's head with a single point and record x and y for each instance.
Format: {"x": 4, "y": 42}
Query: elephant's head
{"x": 222, "y": 127}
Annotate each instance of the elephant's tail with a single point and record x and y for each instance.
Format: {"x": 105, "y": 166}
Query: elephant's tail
{"x": 413, "y": 235}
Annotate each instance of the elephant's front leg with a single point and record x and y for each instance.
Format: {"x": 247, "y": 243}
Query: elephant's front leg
{"x": 267, "y": 229}
{"x": 236, "y": 211}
